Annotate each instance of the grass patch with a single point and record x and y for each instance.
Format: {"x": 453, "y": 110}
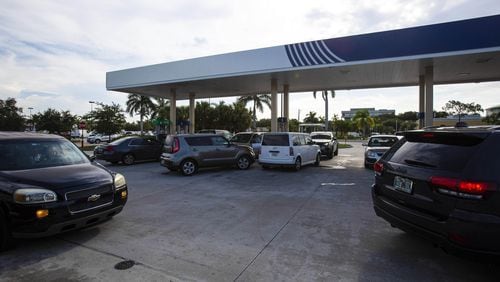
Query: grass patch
{"x": 344, "y": 146}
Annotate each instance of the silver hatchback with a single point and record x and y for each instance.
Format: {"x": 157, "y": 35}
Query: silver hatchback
{"x": 188, "y": 152}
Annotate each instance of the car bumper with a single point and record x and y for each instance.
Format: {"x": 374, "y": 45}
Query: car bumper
{"x": 24, "y": 223}
{"x": 168, "y": 163}
{"x": 462, "y": 231}
{"x": 108, "y": 157}
{"x": 279, "y": 162}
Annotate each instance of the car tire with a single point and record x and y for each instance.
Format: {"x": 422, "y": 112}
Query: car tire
{"x": 330, "y": 155}
{"x": 97, "y": 141}
{"x": 318, "y": 160}
{"x": 336, "y": 152}
{"x": 243, "y": 162}
{"x": 298, "y": 164}
{"x": 128, "y": 159}
{"x": 6, "y": 240}
{"x": 188, "y": 167}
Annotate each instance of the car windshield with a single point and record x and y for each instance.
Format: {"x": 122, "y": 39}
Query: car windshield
{"x": 321, "y": 136}
{"x": 241, "y": 138}
{"x": 19, "y": 155}
{"x": 382, "y": 141}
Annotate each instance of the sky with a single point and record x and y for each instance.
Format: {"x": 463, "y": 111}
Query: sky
{"x": 55, "y": 54}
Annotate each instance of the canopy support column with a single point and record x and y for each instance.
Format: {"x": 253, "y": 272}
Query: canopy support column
{"x": 173, "y": 107}
{"x": 429, "y": 95}
{"x": 286, "y": 106}
{"x": 274, "y": 105}
{"x": 421, "y": 101}
{"x": 192, "y": 106}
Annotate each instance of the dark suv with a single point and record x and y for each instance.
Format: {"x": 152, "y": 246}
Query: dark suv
{"x": 49, "y": 186}
{"x": 188, "y": 152}
{"x": 443, "y": 184}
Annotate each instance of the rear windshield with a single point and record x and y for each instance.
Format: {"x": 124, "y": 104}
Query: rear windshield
{"x": 321, "y": 136}
{"x": 440, "y": 151}
{"x": 20, "y": 155}
{"x": 241, "y": 138}
{"x": 275, "y": 140}
{"x": 382, "y": 141}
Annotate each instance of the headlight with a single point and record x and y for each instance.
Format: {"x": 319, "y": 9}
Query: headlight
{"x": 120, "y": 181}
{"x": 34, "y": 196}
{"x": 371, "y": 154}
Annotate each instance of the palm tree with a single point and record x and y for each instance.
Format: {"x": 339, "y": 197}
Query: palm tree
{"x": 324, "y": 95}
{"x": 139, "y": 104}
{"x": 363, "y": 120}
{"x": 258, "y": 104}
{"x": 160, "y": 112}
{"x": 311, "y": 118}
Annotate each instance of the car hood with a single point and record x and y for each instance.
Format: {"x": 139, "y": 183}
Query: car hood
{"x": 58, "y": 177}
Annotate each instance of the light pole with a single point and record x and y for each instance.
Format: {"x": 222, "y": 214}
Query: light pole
{"x": 91, "y": 110}
{"x": 31, "y": 119}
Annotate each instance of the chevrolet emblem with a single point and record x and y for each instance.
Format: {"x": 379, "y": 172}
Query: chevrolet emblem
{"x": 94, "y": 198}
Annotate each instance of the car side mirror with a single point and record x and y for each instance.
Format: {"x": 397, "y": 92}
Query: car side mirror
{"x": 92, "y": 158}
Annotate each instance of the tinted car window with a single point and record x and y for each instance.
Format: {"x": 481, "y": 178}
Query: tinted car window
{"x": 219, "y": 140}
{"x": 275, "y": 140}
{"x": 18, "y": 155}
{"x": 137, "y": 141}
{"x": 257, "y": 139}
{"x": 199, "y": 141}
{"x": 445, "y": 152}
{"x": 242, "y": 138}
{"x": 382, "y": 141}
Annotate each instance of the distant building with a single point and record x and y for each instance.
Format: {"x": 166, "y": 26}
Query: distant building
{"x": 347, "y": 115}
{"x": 474, "y": 119}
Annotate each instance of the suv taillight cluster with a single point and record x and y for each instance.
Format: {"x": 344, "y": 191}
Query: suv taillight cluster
{"x": 176, "y": 145}
{"x": 461, "y": 188}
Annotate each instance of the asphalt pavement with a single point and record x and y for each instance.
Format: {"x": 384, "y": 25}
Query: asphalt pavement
{"x": 223, "y": 224}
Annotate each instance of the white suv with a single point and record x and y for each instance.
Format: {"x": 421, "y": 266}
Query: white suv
{"x": 288, "y": 149}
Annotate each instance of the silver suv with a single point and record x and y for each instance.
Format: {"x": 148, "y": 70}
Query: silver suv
{"x": 188, "y": 152}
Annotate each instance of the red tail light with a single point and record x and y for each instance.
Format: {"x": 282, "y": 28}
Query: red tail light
{"x": 291, "y": 151}
{"x": 378, "y": 167}
{"x": 108, "y": 148}
{"x": 176, "y": 146}
{"x": 461, "y": 188}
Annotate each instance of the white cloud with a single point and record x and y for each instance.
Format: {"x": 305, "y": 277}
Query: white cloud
{"x": 65, "y": 48}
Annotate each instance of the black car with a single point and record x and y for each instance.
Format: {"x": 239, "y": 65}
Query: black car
{"x": 129, "y": 150}
{"x": 49, "y": 186}
{"x": 327, "y": 143}
{"x": 443, "y": 184}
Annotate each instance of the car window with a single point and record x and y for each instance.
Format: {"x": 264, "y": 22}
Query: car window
{"x": 199, "y": 141}
{"x": 382, "y": 141}
{"x": 241, "y": 138}
{"x": 321, "y": 136}
{"x": 445, "y": 152}
{"x": 137, "y": 142}
{"x": 219, "y": 141}
{"x": 308, "y": 140}
{"x": 296, "y": 140}
{"x": 275, "y": 140}
{"x": 257, "y": 138}
{"x": 18, "y": 155}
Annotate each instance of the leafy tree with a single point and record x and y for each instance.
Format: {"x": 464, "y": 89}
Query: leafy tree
{"x": 54, "y": 121}
{"x": 160, "y": 114}
{"x": 108, "y": 119}
{"x": 293, "y": 125}
{"x": 10, "y": 115}
{"x": 265, "y": 122}
{"x": 440, "y": 114}
{"x": 259, "y": 100}
{"x": 139, "y": 104}
{"x": 363, "y": 120}
{"x": 458, "y": 108}
{"x": 413, "y": 116}
{"x": 311, "y": 118}
{"x": 204, "y": 116}
{"x": 492, "y": 119}
{"x": 241, "y": 119}
{"x": 343, "y": 126}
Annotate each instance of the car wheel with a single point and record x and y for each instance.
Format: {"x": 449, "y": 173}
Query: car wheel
{"x": 330, "y": 155}
{"x": 298, "y": 164}
{"x": 243, "y": 162}
{"x": 5, "y": 236}
{"x": 97, "y": 141}
{"x": 128, "y": 159}
{"x": 336, "y": 152}
{"x": 188, "y": 167}
{"x": 318, "y": 160}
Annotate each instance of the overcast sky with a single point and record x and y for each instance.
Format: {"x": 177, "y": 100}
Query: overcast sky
{"x": 56, "y": 53}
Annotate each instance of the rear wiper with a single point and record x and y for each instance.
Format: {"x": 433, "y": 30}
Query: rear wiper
{"x": 419, "y": 163}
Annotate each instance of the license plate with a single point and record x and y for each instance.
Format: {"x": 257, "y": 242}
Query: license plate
{"x": 403, "y": 184}
{"x": 274, "y": 154}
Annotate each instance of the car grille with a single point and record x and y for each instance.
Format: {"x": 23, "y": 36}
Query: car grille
{"x": 87, "y": 199}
